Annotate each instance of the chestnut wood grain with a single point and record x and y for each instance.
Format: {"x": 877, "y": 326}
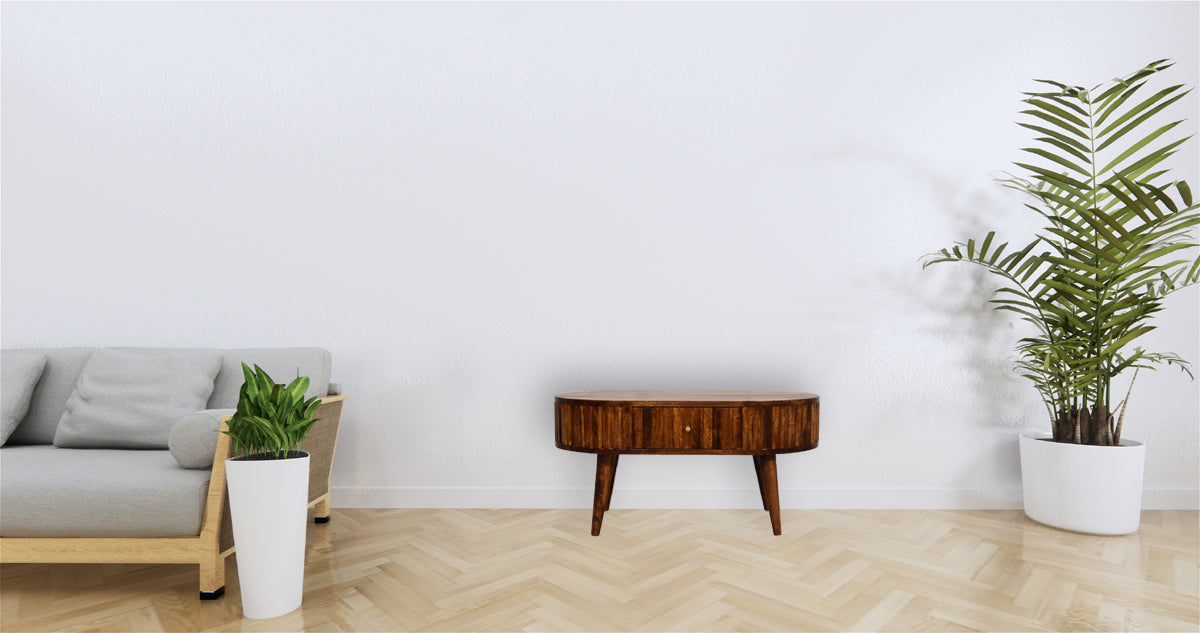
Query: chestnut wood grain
{"x": 606, "y": 471}
{"x": 758, "y": 423}
{"x": 687, "y": 422}
{"x": 768, "y": 487}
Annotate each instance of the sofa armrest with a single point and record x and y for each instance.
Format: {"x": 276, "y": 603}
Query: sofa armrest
{"x": 216, "y": 530}
{"x": 321, "y": 444}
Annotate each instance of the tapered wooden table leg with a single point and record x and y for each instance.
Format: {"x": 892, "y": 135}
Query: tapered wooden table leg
{"x": 606, "y": 470}
{"x": 758, "y": 472}
{"x": 608, "y": 490}
{"x": 770, "y": 490}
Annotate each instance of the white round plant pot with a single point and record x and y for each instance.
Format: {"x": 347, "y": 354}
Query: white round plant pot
{"x": 1092, "y": 489}
{"x": 268, "y": 502}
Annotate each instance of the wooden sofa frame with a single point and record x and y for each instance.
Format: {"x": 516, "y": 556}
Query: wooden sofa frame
{"x": 215, "y": 541}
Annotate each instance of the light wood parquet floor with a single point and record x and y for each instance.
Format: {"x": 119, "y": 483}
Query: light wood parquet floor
{"x": 660, "y": 570}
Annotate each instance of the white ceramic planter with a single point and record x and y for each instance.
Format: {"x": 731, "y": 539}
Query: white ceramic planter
{"x": 1092, "y": 489}
{"x": 268, "y": 500}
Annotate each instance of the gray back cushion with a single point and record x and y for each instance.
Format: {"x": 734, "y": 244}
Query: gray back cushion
{"x": 49, "y": 401}
{"x": 63, "y": 366}
{"x": 280, "y": 363}
{"x": 128, "y": 399}
{"x": 19, "y": 374}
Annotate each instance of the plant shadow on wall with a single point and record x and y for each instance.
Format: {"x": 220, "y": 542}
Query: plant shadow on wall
{"x": 959, "y": 299}
{"x": 948, "y": 305}
{"x": 942, "y": 305}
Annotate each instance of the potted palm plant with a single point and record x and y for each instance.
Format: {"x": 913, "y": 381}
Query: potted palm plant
{"x": 268, "y": 491}
{"x": 1118, "y": 238}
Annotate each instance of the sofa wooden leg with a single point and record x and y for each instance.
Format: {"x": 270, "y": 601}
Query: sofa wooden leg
{"x": 322, "y": 511}
{"x": 212, "y": 578}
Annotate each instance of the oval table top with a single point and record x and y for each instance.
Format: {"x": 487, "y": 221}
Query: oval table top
{"x": 660, "y": 398}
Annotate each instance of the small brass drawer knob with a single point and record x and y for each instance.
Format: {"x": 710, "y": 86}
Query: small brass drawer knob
{"x": 687, "y": 428}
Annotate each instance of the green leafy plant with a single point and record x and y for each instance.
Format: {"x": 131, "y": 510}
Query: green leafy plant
{"x": 272, "y": 419}
{"x": 1118, "y": 239}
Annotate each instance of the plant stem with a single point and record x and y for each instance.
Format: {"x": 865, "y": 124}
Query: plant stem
{"x": 1124, "y": 405}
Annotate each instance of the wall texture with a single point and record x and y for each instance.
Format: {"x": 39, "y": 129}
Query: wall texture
{"x": 476, "y": 206}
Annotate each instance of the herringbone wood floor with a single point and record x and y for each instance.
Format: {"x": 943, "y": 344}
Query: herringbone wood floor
{"x": 711, "y": 570}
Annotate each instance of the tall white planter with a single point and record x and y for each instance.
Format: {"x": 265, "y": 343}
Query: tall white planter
{"x": 1093, "y": 489}
{"x": 268, "y": 500}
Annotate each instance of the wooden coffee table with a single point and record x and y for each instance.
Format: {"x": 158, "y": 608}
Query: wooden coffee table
{"x": 758, "y": 423}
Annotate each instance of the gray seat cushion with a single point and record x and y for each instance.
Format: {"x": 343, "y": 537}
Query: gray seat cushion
{"x": 70, "y": 492}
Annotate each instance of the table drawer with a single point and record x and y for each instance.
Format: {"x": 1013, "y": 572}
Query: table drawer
{"x": 684, "y": 428}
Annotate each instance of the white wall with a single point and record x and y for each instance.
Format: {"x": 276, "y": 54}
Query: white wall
{"x": 478, "y": 206}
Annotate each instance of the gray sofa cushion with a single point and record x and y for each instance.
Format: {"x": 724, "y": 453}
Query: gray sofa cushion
{"x": 193, "y": 439}
{"x": 19, "y": 374}
{"x": 127, "y": 399}
{"x": 65, "y": 492}
{"x": 280, "y": 363}
{"x": 49, "y": 400}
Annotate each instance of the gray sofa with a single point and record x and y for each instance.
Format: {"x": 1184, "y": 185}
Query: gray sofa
{"x": 73, "y": 486}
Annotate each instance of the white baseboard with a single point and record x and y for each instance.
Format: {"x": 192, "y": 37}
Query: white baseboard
{"x": 789, "y": 499}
